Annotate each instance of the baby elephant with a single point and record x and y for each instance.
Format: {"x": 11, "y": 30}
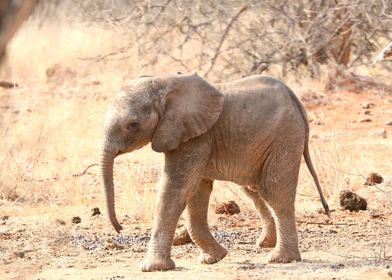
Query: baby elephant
{"x": 252, "y": 132}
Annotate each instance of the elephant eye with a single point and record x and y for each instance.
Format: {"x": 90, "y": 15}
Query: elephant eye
{"x": 132, "y": 125}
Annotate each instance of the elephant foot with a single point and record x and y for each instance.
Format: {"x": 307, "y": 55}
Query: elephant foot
{"x": 267, "y": 239}
{"x": 284, "y": 256}
{"x": 157, "y": 264}
{"x": 214, "y": 256}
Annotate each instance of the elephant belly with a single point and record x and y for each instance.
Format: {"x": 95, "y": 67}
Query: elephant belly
{"x": 236, "y": 171}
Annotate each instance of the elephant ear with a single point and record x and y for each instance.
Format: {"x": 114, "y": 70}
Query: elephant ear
{"x": 189, "y": 107}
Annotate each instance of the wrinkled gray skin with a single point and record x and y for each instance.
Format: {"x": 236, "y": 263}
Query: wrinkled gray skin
{"x": 252, "y": 132}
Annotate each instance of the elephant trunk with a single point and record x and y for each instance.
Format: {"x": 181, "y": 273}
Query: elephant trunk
{"x": 107, "y": 161}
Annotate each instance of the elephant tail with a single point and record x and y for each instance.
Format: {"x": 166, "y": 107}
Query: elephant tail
{"x": 306, "y": 153}
{"x": 309, "y": 164}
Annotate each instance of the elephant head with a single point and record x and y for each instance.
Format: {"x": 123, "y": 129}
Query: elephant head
{"x": 165, "y": 111}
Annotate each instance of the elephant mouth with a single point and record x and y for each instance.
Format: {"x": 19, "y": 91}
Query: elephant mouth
{"x": 120, "y": 153}
{"x": 128, "y": 150}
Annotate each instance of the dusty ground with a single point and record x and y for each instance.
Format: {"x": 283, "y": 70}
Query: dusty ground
{"x": 350, "y": 246}
{"x": 39, "y": 241}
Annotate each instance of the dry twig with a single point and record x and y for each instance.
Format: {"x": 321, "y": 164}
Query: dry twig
{"x": 85, "y": 170}
{"x": 326, "y": 223}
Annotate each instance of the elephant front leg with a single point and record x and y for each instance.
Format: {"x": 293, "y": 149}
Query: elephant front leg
{"x": 182, "y": 175}
{"x": 197, "y": 225}
{"x": 267, "y": 238}
{"x": 171, "y": 204}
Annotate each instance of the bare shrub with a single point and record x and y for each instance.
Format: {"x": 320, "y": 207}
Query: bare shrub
{"x": 222, "y": 39}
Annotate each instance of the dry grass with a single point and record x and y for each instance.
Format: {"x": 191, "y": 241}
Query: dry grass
{"x": 51, "y": 130}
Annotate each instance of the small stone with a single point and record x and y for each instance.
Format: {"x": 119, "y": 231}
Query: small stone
{"x": 382, "y": 133}
{"x": 375, "y": 215}
{"x": 112, "y": 245}
{"x": 373, "y": 179}
{"x": 117, "y": 277}
{"x": 182, "y": 238}
{"x": 19, "y": 254}
{"x": 367, "y": 112}
{"x": 229, "y": 208}
{"x": 365, "y": 120}
{"x": 337, "y": 266}
{"x": 76, "y": 220}
{"x": 388, "y": 122}
{"x": 351, "y": 201}
{"x": 6, "y": 84}
{"x": 29, "y": 248}
{"x": 5, "y": 218}
{"x": 95, "y": 211}
{"x": 60, "y": 222}
{"x": 367, "y": 105}
{"x": 318, "y": 122}
{"x": 246, "y": 265}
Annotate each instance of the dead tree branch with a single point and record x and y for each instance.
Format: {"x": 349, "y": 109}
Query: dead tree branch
{"x": 222, "y": 39}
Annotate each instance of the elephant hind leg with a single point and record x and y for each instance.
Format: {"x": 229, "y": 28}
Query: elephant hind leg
{"x": 197, "y": 225}
{"x": 286, "y": 249}
{"x": 279, "y": 191}
{"x": 267, "y": 238}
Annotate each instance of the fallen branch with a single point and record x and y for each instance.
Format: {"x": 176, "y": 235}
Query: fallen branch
{"x": 327, "y": 223}
{"x": 5, "y": 84}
